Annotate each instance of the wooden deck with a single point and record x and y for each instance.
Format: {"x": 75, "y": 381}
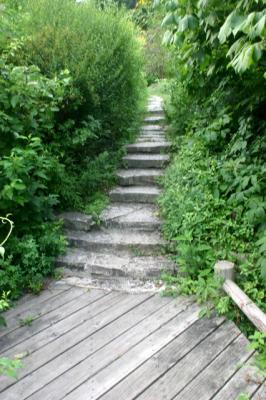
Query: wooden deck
{"x": 93, "y": 344}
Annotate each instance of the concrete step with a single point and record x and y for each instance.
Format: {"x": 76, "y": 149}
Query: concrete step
{"x": 135, "y": 194}
{"x": 152, "y": 128}
{"x": 114, "y": 240}
{"x": 143, "y": 217}
{"x": 153, "y": 133}
{"x": 148, "y": 147}
{"x": 100, "y": 265}
{"x": 155, "y": 110}
{"x": 151, "y": 140}
{"x": 131, "y": 177}
{"x": 145, "y": 160}
{"x": 154, "y": 119}
{"x": 76, "y": 221}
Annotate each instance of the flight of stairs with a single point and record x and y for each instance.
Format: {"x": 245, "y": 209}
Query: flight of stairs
{"x": 127, "y": 246}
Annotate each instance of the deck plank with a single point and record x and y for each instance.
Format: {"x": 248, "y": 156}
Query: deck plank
{"x": 103, "y": 345}
{"x": 126, "y": 362}
{"x": 178, "y": 377}
{"x": 224, "y": 366}
{"x": 29, "y": 301}
{"x": 246, "y": 380}
{"x": 20, "y": 335}
{"x": 40, "y": 308}
{"x": 77, "y": 337}
{"x": 67, "y": 353}
{"x": 149, "y": 372}
{"x": 91, "y": 365}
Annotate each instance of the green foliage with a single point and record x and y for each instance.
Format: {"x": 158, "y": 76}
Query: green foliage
{"x": 258, "y": 343}
{"x": 9, "y": 367}
{"x": 235, "y": 30}
{"x": 27, "y": 321}
{"x": 4, "y": 305}
{"x": 157, "y": 60}
{"x": 71, "y": 94}
{"x": 214, "y": 201}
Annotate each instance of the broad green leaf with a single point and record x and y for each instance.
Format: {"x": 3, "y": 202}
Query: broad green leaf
{"x": 169, "y": 19}
{"x": 187, "y": 22}
{"x": 167, "y": 38}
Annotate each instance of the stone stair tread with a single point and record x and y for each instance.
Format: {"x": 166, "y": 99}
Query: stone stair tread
{"x": 154, "y": 118}
{"x": 160, "y": 157}
{"x": 152, "y": 127}
{"x": 76, "y": 220}
{"x": 118, "y": 236}
{"x": 150, "y": 140}
{"x": 143, "y": 194}
{"x": 148, "y": 147}
{"x": 139, "y": 172}
{"x": 138, "y": 176}
{"x": 137, "y": 189}
{"x": 131, "y": 212}
{"x": 145, "y": 160}
{"x": 106, "y": 264}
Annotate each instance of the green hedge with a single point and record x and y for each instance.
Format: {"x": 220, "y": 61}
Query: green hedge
{"x": 214, "y": 200}
{"x": 71, "y": 93}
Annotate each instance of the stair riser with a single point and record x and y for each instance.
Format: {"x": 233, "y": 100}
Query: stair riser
{"x": 138, "y": 226}
{"x": 143, "y": 248}
{"x": 148, "y": 149}
{"x": 152, "y": 128}
{"x": 154, "y": 120}
{"x": 145, "y": 163}
{"x": 151, "y": 140}
{"x": 95, "y": 271}
{"x": 156, "y": 111}
{"x": 133, "y": 197}
{"x": 158, "y": 135}
{"x": 137, "y": 180}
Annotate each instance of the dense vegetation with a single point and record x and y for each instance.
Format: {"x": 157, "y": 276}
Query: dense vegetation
{"x": 214, "y": 200}
{"x": 71, "y": 92}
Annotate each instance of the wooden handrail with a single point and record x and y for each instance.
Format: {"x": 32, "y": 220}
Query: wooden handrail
{"x": 249, "y": 308}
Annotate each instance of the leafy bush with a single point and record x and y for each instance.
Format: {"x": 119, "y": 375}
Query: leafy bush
{"x": 103, "y": 102}
{"x": 71, "y": 91}
{"x": 214, "y": 202}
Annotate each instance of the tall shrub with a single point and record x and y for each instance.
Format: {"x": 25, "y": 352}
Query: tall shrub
{"x": 215, "y": 189}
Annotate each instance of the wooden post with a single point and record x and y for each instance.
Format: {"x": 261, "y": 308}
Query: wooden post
{"x": 246, "y": 305}
{"x": 226, "y": 269}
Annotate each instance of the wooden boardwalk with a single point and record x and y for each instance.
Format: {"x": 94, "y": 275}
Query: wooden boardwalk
{"x": 95, "y": 344}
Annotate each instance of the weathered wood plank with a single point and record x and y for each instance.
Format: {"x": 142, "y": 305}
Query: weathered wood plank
{"x": 126, "y": 361}
{"x": 178, "y": 377}
{"x": 91, "y": 365}
{"x": 214, "y": 377}
{"x": 41, "y": 308}
{"x": 247, "y": 380}
{"x": 75, "y": 322}
{"x": 23, "y": 333}
{"x": 166, "y": 358}
{"x": 27, "y": 302}
{"x": 67, "y": 355}
{"x": 76, "y": 337}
